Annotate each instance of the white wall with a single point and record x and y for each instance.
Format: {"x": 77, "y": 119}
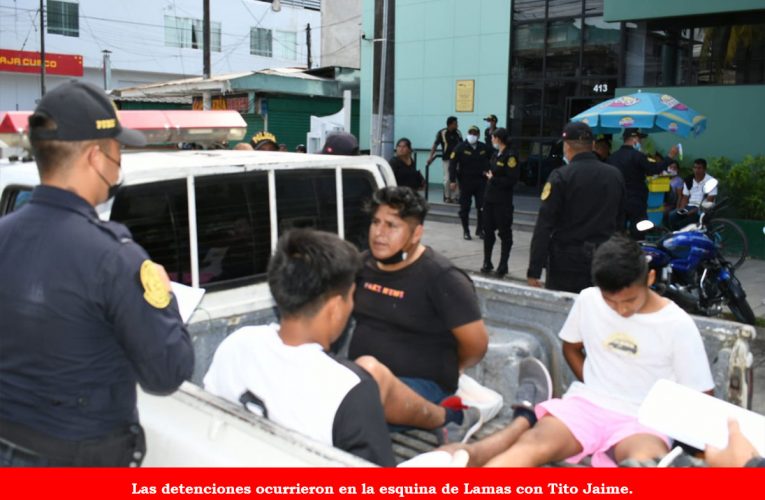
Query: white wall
{"x": 135, "y": 33}
{"x": 341, "y": 40}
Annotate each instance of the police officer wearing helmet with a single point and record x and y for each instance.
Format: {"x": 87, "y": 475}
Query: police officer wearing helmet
{"x": 635, "y": 166}
{"x": 582, "y": 206}
{"x": 498, "y": 203}
{"x": 468, "y": 165}
{"x": 85, "y": 313}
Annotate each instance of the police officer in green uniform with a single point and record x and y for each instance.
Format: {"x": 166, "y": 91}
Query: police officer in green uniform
{"x": 582, "y": 206}
{"x": 498, "y": 202}
{"x": 85, "y": 313}
{"x": 468, "y": 165}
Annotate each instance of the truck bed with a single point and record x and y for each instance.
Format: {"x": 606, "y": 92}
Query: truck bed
{"x": 195, "y": 428}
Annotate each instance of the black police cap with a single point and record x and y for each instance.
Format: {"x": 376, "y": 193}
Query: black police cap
{"x": 577, "y": 131}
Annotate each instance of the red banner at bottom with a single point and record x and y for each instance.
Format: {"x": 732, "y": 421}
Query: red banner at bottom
{"x": 84, "y": 484}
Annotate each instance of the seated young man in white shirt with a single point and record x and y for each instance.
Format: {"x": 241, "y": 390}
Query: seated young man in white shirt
{"x": 619, "y": 339}
{"x": 693, "y": 194}
{"x": 285, "y": 373}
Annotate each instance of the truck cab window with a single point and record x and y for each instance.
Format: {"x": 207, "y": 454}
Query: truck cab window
{"x": 157, "y": 215}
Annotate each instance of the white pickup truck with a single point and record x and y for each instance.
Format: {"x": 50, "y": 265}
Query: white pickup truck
{"x": 212, "y": 219}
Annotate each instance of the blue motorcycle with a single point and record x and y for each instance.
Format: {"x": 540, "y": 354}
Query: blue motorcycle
{"x": 693, "y": 267}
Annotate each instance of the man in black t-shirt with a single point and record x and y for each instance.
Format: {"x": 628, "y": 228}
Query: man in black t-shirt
{"x": 447, "y": 139}
{"x": 416, "y": 313}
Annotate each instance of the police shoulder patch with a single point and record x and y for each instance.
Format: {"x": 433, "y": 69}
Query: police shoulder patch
{"x": 512, "y": 162}
{"x": 546, "y": 191}
{"x": 155, "y": 291}
{"x": 651, "y": 159}
{"x": 453, "y": 155}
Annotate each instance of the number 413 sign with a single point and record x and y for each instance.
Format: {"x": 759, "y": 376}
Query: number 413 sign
{"x": 600, "y": 88}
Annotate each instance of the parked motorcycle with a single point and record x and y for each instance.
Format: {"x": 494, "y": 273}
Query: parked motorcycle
{"x": 691, "y": 268}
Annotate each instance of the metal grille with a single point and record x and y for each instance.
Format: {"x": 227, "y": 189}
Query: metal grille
{"x": 307, "y": 4}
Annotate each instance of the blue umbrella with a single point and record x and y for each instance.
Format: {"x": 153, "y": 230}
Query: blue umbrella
{"x": 647, "y": 111}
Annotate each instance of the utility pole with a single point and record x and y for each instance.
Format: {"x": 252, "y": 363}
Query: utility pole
{"x": 377, "y": 145}
{"x": 42, "y": 48}
{"x": 206, "y": 38}
{"x": 308, "y": 44}
{"x": 206, "y": 51}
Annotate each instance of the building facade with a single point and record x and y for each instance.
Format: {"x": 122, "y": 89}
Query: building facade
{"x": 537, "y": 63}
{"x": 148, "y": 41}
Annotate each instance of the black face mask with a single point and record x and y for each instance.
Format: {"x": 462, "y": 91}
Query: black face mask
{"x": 397, "y": 257}
{"x": 113, "y": 188}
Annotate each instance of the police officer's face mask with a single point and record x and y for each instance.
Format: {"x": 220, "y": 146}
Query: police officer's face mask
{"x": 112, "y": 188}
{"x": 472, "y": 139}
{"x": 637, "y": 146}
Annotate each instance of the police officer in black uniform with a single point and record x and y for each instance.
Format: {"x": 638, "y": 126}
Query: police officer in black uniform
{"x": 498, "y": 202}
{"x": 492, "y": 120}
{"x": 582, "y": 206}
{"x": 635, "y": 166}
{"x": 447, "y": 139}
{"x": 468, "y": 165}
{"x": 85, "y": 313}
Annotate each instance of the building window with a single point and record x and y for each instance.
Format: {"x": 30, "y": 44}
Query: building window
{"x": 565, "y": 58}
{"x": 186, "y": 32}
{"x": 689, "y": 55}
{"x": 286, "y": 45}
{"x": 63, "y": 17}
{"x": 260, "y": 42}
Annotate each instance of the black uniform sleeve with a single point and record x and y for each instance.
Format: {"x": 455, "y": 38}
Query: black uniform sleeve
{"x": 549, "y": 212}
{"x": 150, "y": 330}
{"x": 454, "y": 161}
{"x": 359, "y": 427}
{"x": 652, "y": 167}
{"x": 756, "y": 462}
{"x": 506, "y": 171}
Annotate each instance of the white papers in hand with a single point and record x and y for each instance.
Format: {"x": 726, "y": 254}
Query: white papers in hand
{"x": 188, "y": 299}
{"x": 696, "y": 418}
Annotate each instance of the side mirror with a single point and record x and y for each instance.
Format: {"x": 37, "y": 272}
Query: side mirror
{"x": 645, "y": 225}
{"x": 710, "y": 186}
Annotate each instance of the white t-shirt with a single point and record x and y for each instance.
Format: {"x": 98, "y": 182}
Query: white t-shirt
{"x": 626, "y": 356}
{"x": 696, "y": 193}
{"x": 303, "y": 388}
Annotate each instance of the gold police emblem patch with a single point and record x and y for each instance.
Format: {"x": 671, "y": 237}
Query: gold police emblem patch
{"x": 512, "y": 162}
{"x": 155, "y": 290}
{"x": 546, "y": 191}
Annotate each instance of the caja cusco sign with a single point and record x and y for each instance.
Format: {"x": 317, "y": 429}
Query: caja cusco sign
{"x": 19, "y": 61}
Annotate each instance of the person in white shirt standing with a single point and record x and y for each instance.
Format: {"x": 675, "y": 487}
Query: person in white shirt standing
{"x": 693, "y": 194}
{"x": 632, "y": 337}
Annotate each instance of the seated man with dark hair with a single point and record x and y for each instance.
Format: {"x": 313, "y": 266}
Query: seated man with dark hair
{"x": 284, "y": 371}
{"x": 632, "y": 337}
{"x": 417, "y": 315}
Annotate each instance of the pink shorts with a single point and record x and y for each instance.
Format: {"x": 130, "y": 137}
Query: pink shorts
{"x": 596, "y": 428}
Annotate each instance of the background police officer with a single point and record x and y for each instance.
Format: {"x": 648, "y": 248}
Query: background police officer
{"x": 635, "y": 166}
{"x": 498, "y": 203}
{"x": 84, "y": 313}
{"x": 447, "y": 139}
{"x": 468, "y": 165}
{"x": 582, "y": 206}
{"x": 487, "y": 133}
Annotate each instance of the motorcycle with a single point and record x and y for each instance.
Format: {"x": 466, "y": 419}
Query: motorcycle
{"x": 691, "y": 269}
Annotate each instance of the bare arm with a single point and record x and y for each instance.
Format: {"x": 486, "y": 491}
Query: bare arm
{"x": 683, "y": 202}
{"x": 574, "y": 354}
{"x": 472, "y": 342}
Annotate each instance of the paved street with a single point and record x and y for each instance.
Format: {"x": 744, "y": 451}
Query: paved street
{"x": 447, "y": 239}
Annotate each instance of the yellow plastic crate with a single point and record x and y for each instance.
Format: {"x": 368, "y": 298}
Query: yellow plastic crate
{"x": 658, "y": 184}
